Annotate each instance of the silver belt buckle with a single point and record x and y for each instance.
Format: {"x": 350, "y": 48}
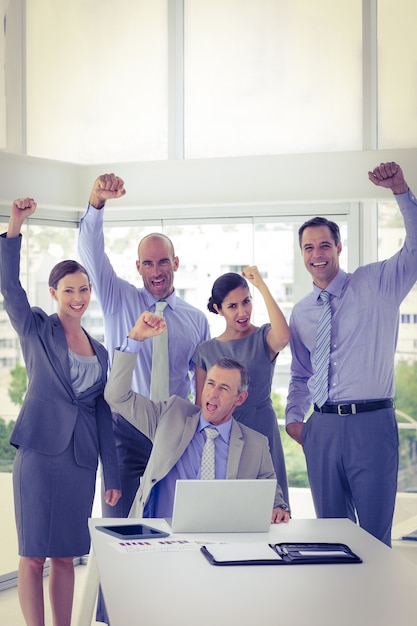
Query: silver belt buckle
{"x": 351, "y": 412}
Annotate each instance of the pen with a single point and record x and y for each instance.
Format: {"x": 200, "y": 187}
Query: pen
{"x": 282, "y": 551}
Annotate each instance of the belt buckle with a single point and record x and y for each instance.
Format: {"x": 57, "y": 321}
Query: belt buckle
{"x": 350, "y": 409}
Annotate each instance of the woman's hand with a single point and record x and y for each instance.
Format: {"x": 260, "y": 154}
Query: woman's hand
{"x": 252, "y": 274}
{"x": 21, "y": 209}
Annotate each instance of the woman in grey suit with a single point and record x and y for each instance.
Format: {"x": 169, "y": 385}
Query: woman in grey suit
{"x": 62, "y": 428}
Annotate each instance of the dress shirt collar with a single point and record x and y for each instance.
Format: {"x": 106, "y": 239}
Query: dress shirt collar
{"x": 335, "y": 287}
{"x": 150, "y": 299}
{"x": 224, "y": 429}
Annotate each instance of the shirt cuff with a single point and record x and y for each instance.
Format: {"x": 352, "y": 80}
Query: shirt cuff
{"x": 131, "y": 345}
{"x": 93, "y": 215}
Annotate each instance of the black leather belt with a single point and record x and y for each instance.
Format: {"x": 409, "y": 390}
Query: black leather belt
{"x": 358, "y": 407}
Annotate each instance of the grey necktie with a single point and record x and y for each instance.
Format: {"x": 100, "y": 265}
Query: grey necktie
{"x": 160, "y": 360}
{"x": 321, "y": 378}
{"x": 208, "y": 455}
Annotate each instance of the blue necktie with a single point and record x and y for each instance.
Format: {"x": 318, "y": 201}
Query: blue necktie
{"x": 321, "y": 379}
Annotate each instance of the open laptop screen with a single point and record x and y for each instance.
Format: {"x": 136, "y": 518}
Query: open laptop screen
{"x": 223, "y": 505}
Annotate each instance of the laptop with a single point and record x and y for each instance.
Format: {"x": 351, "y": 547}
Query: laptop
{"x": 223, "y": 506}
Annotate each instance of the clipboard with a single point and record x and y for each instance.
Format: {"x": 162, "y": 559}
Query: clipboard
{"x": 300, "y": 553}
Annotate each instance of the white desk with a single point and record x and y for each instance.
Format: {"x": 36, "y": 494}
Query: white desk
{"x": 167, "y": 588}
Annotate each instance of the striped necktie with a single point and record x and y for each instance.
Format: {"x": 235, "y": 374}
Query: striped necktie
{"x": 321, "y": 379}
{"x": 160, "y": 360}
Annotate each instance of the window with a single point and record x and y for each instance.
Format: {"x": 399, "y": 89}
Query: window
{"x": 260, "y": 77}
{"x": 264, "y": 77}
{"x": 390, "y": 231}
{"x": 3, "y": 140}
{"x": 397, "y": 57}
{"x": 251, "y": 78}
{"x": 102, "y": 94}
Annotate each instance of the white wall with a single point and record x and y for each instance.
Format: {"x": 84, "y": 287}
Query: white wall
{"x": 204, "y": 188}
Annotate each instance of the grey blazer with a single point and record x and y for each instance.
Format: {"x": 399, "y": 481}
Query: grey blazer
{"x": 51, "y": 413}
{"x": 171, "y": 425}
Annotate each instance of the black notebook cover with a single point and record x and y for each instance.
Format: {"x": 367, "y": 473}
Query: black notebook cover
{"x": 300, "y": 553}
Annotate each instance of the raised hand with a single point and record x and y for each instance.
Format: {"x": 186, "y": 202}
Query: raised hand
{"x": 147, "y": 325}
{"x": 390, "y": 176}
{"x": 21, "y": 209}
{"x": 251, "y": 273}
{"x": 106, "y": 187}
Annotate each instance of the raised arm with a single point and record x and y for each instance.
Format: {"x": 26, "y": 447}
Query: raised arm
{"x": 21, "y": 209}
{"x": 141, "y": 412}
{"x": 279, "y": 335}
{"x": 91, "y": 247}
{"x": 16, "y": 302}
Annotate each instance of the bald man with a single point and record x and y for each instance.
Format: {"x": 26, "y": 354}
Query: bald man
{"x": 122, "y": 303}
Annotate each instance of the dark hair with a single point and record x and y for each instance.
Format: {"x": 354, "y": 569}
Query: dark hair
{"x": 231, "y": 364}
{"x": 320, "y": 221}
{"x": 222, "y": 286}
{"x": 62, "y": 269}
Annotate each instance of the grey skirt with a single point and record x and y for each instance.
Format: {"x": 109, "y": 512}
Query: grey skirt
{"x": 53, "y": 499}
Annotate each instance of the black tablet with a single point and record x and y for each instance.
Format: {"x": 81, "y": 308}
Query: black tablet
{"x": 133, "y": 531}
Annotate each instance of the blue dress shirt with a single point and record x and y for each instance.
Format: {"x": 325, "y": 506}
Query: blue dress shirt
{"x": 122, "y": 303}
{"x": 161, "y": 502}
{"x": 365, "y": 307}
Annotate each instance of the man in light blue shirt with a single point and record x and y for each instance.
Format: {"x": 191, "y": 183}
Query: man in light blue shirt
{"x": 351, "y": 442}
{"x": 122, "y": 303}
